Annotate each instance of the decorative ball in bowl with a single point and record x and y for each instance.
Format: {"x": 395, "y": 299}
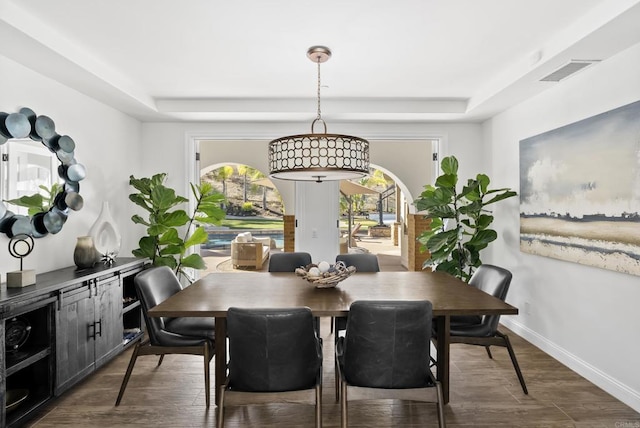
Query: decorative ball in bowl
{"x": 324, "y": 275}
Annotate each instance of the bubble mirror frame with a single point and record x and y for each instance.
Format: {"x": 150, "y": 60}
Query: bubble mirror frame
{"x": 26, "y": 124}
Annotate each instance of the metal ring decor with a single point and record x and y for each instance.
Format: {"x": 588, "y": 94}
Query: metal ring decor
{"x": 20, "y": 246}
{"x": 26, "y": 124}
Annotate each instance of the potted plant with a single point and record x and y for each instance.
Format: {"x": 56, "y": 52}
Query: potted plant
{"x": 163, "y": 244}
{"x": 460, "y": 222}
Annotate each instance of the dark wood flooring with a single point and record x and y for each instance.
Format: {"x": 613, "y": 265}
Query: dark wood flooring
{"x": 484, "y": 393}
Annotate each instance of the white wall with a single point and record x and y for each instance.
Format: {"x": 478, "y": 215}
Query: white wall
{"x": 407, "y": 157}
{"x": 586, "y": 317}
{"x": 107, "y": 143}
{"x": 165, "y": 146}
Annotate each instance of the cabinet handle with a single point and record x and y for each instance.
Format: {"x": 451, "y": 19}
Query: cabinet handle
{"x": 89, "y": 327}
{"x": 99, "y": 333}
{"x": 60, "y": 296}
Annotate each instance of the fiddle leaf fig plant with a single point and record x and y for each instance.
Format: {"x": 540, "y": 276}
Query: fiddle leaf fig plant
{"x": 460, "y": 222}
{"x": 163, "y": 244}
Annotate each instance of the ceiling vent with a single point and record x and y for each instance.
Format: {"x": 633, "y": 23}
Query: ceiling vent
{"x": 568, "y": 69}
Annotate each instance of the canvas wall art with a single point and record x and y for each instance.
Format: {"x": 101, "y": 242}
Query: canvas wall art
{"x": 580, "y": 191}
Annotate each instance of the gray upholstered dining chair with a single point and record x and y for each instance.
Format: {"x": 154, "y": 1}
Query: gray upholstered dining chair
{"x": 483, "y": 330}
{"x": 274, "y": 355}
{"x": 385, "y": 354}
{"x": 169, "y": 335}
{"x": 288, "y": 261}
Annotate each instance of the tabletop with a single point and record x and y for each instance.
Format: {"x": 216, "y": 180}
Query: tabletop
{"x": 214, "y": 294}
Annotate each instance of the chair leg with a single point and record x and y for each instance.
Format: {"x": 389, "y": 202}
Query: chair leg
{"x": 488, "y": 352}
{"x": 318, "y": 406}
{"x": 440, "y": 407}
{"x": 432, "y": 361}
{"x": 221, "y": 408}
{"x": 127, "y": 375}
{"x": 337, "y": 377}
{"x": 441, "y": 421}
{"x": 516, "y": 366}
{"x": 344, "y": 419}
{"x": 160, "y": 360}
{"x": 207, "y": 384}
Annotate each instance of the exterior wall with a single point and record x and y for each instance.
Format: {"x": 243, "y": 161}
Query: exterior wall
{"x": 289, "y": 233}
{"x": 380, "y": 231}
{"x": 416, "y": 224}
{"x": 581, "y": 315}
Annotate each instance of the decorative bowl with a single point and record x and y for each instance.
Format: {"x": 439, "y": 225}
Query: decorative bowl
{"x": 328, "y": 279}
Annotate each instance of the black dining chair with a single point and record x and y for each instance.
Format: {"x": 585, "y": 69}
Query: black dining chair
{"x": 288, "y": 261}
{"x": 363, "y": 262}
{"x": 385, "y": 354}
{"x": 188, "y": 335}
{"x": 274, "y": 356}
{"x": 483, "y": 330}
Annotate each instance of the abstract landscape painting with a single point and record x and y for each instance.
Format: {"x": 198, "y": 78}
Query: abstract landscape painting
{"x": 580, "y": 191}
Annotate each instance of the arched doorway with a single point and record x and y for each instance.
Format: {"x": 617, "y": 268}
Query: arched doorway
{"x": 410, "y": 161}
{"x": 253, "y": 208}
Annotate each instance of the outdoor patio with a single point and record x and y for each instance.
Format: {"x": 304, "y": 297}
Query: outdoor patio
{"x": 219, "y": 260}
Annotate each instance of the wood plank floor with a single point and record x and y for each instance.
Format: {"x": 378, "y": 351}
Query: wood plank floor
{"x": 484, "y": 393}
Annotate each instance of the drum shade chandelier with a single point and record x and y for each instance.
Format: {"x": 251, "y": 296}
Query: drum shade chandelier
{"x": 318, "y": 156}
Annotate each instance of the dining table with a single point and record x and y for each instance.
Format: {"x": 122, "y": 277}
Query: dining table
{"x": 214, "y": 294}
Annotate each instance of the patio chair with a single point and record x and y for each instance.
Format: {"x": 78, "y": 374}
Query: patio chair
{"x": 353, "y": 236}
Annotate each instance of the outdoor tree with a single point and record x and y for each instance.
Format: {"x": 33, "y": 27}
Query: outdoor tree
{"x": 222, "y": 174}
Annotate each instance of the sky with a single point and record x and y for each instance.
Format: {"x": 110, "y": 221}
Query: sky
{"x": 587, "y": 167}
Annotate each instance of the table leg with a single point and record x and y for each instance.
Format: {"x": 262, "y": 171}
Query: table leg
{"x": 221, "y": 355}
{"x": 443, "y": 342}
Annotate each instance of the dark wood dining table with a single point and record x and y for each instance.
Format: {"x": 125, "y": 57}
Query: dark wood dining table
{"x": 214, "y": 294}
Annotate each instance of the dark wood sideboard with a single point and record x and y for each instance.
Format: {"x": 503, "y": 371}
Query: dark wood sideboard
{"x": 59, "y": 330}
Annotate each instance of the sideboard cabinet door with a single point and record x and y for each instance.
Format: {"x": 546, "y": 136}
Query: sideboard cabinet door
{"x": 88, "y": 329}
{"x": 109, "y": 334}
{"x": 75, "y": 350}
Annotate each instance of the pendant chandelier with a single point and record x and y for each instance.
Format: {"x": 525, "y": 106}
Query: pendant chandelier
{"x": 318, "y": 156}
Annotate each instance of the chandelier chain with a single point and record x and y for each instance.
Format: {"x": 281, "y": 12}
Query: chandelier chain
{"x": 319, "y": 117}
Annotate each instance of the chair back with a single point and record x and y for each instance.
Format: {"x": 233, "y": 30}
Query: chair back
{"x": 492, "y": 280}
{"x": 272, "y": 350}
{"x": 154, "y": 286}
{"x": 387, "y": 344}
{"x": 288, "y": 262}
{"x": 364, "y": 262}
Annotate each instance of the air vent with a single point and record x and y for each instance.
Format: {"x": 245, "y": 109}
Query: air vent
{"x": 568, "y": 69}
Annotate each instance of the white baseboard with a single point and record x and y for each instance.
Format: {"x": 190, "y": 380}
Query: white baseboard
{"x": 619, "y": 390}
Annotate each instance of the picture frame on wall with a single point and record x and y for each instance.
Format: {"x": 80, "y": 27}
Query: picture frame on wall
{"x": 580, "y": 191}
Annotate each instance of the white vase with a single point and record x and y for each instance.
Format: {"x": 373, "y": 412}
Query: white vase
{"x": 105, "y": 234}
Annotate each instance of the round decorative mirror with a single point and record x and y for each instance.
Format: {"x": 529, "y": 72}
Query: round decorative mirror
{"x": 43, "y": 217}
